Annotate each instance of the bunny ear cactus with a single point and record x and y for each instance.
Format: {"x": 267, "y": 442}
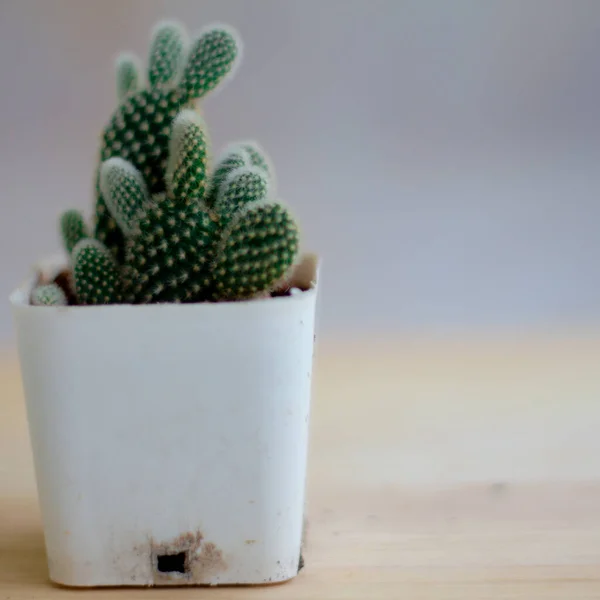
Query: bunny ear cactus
{"x": 257, "y": 157}
{"x": 171, "y": 234}
{"x": 128, "y": 76}
{"x": 180, "y": 249}
{"x": 48, "y": 295}
{"x": 140, "y": 128}
{"x": 168, "y": 226}
{"x": 255, "y": 251}
{"x": 259, "y": 238}
{"x": 189, "y": 160}
{"x": 73, "y": 229}
{"x": 95, "y": 274}
{"x": 166, "y": 54}
{"x": 125, "y": 191}
{"x": 232, "y": 158}
{"x": 242, "y": 186}
{"x": 241, "y": 154}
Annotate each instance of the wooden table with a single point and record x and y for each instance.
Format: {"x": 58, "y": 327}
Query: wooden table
{"x": 465, "y": 468}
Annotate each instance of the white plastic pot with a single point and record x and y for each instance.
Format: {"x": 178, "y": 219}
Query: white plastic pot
{"x": 170, "y": 441}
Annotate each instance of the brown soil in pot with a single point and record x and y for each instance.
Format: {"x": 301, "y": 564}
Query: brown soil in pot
{"x": 65, "y": 282}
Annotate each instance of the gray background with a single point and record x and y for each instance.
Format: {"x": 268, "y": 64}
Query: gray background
{"x": 441, "y": 156}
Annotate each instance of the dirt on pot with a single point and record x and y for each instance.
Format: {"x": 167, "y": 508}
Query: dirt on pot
{"x": 186, "y": 559}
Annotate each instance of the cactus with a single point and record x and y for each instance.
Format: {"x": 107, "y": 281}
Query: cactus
{"x": 171, "y": 235}
{"x": 139, "y": 130}
{"x": 48, "y": 295}
{"x": 125, "y": 191}
{"x": 181, "y": 250}
{"x": 189, "y": 159}
{"x": 128, "y": 75}
{"x": 233, "y": 158}
{"x": 96, "y": 274}
{"x": 166, "y": 54}
{"x": 254, "y": 252}
{"x": 259, "y": 239}
{"x": 242, "y": 186}
{"x": 241, "y": 154}
{"x": 73, "y": 228}
{"x": 257, "y": 156}
{"x": 168, "y": 227}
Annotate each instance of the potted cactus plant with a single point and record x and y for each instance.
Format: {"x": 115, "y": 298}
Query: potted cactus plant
{"x": 167, "y": 354}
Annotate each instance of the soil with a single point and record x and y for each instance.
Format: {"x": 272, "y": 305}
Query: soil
{"x": 281, "y": 292}
{"x": 63, "y": 280}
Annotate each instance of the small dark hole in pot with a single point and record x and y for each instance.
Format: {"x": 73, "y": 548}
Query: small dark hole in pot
{"x": 171, "y": 563}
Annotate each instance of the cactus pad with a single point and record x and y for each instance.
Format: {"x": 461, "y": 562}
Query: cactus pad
{"x": 212, "y": 57}
{"x": 95, "y": 273}
{"x": 257, "y": 156}
{"x": 233, "y": 158}
{"x": 127, "y": 76}
{"x": 48, "y": 295}
{"x": 166, "y": 53}
{"x": 168, "y": 260}
{"x": 241, "y": 154}
{"x": 242, "y": 186}
{"x": 124, "y": 191}
{"x": 73, "y": 229}
{"x": 188, "y": 164}
{"x": 255, "y": 251}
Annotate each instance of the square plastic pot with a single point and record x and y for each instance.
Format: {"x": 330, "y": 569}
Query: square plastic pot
{"x": 170, "y": 441}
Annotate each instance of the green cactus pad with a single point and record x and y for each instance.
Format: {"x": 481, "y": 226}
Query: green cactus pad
{"x": 139, "y": 130}
{"x": 168, "y": 260}
{"x": 73, "y": 228}
{"x": 128, "y": 76}
{"x": 258, "y": 157}
{"x": 213, "y": 56}
{"x": 106, "y": 229}
{"x": 234, "y": 157}
{"x": 255, "y": 252}
{"x": 124, "y": 191}
{"x": 242, "y": 186}
{"x": 95, "y": 274}
{"x": 187, "y": 167}
{"x": 48, "y": 295}
{"x": 166, "y": 53}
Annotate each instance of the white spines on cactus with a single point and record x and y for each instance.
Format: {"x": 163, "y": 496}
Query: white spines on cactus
{"x": 48, "y": 295}
{"x": 96, "y": 274}
{"x": 257, "y": 156}
{"x": 139, "y": 129}
{"x": 241, "y": 186}
{"x": 256, "y": 250}
{"x": 213, "y": 57}
{"x": 189, "y": 157}
{"x": 128, "y": 75}
{"x": 72, "y": 229}
{"x": 124, "y": 191}
{"x": 167, "y": 53}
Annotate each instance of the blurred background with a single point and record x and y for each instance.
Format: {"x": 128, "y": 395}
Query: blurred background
{"x": 442, "y": 157}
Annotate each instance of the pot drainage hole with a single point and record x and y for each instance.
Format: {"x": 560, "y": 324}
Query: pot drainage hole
{"x": 171, "y": 563}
